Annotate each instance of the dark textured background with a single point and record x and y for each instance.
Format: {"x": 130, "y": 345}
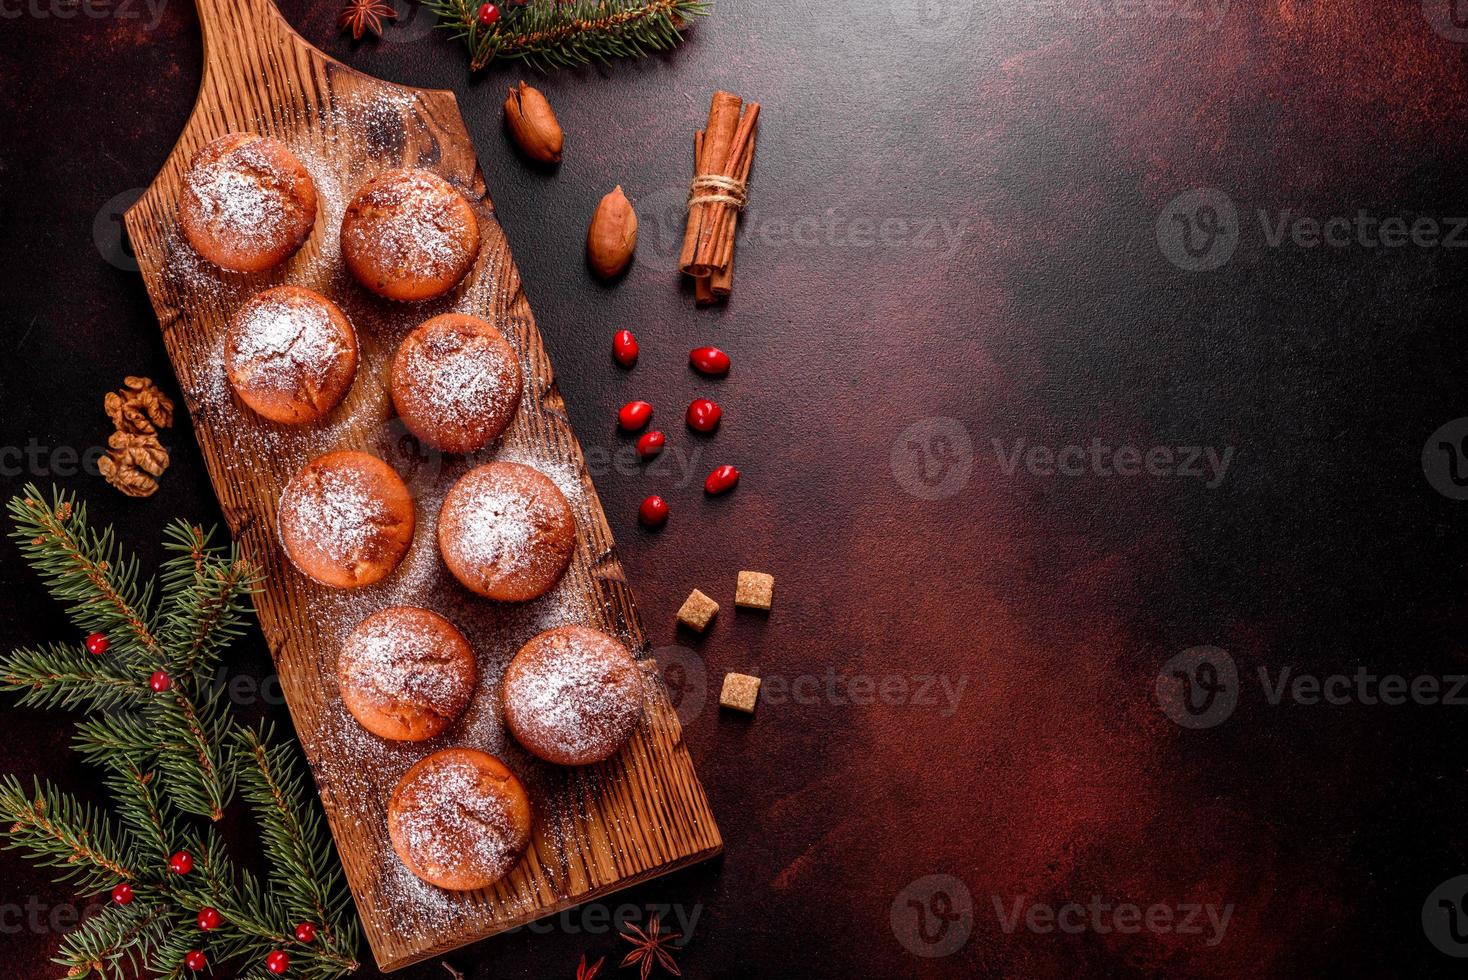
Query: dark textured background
{"x": 1049, "y": 138}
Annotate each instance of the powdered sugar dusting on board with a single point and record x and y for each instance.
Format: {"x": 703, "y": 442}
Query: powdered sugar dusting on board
{"x": 357, "y": 770}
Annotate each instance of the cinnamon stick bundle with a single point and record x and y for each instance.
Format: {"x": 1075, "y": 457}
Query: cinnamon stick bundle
{"x": 722, "y": 156}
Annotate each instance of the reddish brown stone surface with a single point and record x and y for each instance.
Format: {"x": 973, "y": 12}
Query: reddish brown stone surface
{"x": 972, "y": 214}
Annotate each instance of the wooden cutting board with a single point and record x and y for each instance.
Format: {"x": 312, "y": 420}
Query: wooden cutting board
{"x": 637, "y": 816}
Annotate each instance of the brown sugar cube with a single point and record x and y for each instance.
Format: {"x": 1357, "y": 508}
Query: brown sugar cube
{"x": 697, "y": 611}
{"x": 740, "y": 692}
{"x": 754, "y": 590}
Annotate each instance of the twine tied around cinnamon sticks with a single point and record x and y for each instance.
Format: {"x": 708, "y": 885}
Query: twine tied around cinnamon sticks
{"x": 723, "y": 152}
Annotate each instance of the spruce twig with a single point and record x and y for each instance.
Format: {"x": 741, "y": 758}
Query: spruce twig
{"x": 166, "y": 756}
{"x": 547, "y": 34}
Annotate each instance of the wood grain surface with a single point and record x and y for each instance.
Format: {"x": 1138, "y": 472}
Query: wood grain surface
{"x": 641, "y": 814}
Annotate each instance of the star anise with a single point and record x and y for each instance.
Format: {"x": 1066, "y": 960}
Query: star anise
{"x": 651, "y": 946}
{"x": 585, "y": 972}
{"x": 361, "y": 16}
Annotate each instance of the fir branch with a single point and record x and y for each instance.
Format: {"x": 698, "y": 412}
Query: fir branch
{"x": 88, "y": 570}
{"x": 311, "y": 886}
{"x": 166, "y": 755}
{"x": 55, "y": 830}
{"x": 146, "y": 814}
{"x": 63, "y": 675}
{"x": 548, "y": 34}
{"x": 129, "y": 737}
{"x": 205, "y": 589}
{"x": 195, "y": 753}
{"x": 119, "y": 941}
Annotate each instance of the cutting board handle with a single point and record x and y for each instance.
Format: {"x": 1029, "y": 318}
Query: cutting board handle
{"x": 246, "y": 39}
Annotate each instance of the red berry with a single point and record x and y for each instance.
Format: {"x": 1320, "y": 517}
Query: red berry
{"x": 709, "y": 360}
{"x": 488, "y": 14}
{"x": 160, "y": 681}
{"x": 209, "y": 918}
{"x": 649, "y": 444}
{"x": 721, "y": 480}
{"x": 634, "y": 415}
{"x": 97, "y": 644}
{"x": 653, "y": 512}
{"x": 181, "y": 863}
{"x": 123, "y": 894}
{"x": 278, "y": 961}
{"x": 306, "y": 932}
{"x": 196, "y": 960}
{"x": 624, "y": 348}
{"x": 704, "y": 415}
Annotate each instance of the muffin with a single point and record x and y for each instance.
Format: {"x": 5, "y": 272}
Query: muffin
{"x": 573, "y": 695}
{"x": 506, "y": 531}
{"x": 459, "y": 819}
{"x": 247, "y": 202}
{"x": 290, "y": 354}
{"x": 409, "y": 235}
{"x": 346, "y": 519}
{"x": 406, "y": 673}
{"x": 456, "y": 383}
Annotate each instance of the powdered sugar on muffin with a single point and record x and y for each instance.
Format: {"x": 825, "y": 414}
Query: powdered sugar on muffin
{"x": 573, "y": 695}
{"x": 406, "y": 673}
{"x": 290, "y": 354}
{"x": 459, "y": 819}
{"x": 456, "y": 382}
{"x": 506, "y": 531}
{"x": 346, "y": 519}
